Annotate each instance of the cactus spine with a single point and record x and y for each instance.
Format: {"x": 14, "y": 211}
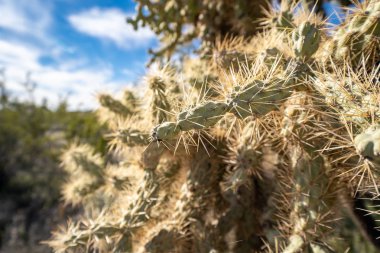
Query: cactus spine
{"x": 279, "y": 132}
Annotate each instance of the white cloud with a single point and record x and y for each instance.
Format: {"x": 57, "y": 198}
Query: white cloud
{"x": 32, "y": 17}
{"x": 15, "y": 54}
{"x": 110, "y": 24}
{"x": 29, "y": 25}
{"x": 80, "y": 84}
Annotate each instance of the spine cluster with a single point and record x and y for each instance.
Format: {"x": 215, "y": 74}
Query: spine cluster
{"x": 255, "y": 151}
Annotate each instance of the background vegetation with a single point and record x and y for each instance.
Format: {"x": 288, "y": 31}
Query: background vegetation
{"x": 32, "y": 138}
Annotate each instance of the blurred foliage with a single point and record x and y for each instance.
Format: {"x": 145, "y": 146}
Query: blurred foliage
{"x": 31, "y": 139}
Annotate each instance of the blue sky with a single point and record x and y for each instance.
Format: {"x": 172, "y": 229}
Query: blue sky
{"x": 72, "y": 48}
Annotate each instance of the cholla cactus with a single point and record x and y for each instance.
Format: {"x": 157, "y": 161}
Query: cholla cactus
{"x": 178, "y": 22}
{"x": 85, "y": 170}
{"x": 359, "y": 37}
{"x": 254, "y": 148}
{"x": 368, "y": 144}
